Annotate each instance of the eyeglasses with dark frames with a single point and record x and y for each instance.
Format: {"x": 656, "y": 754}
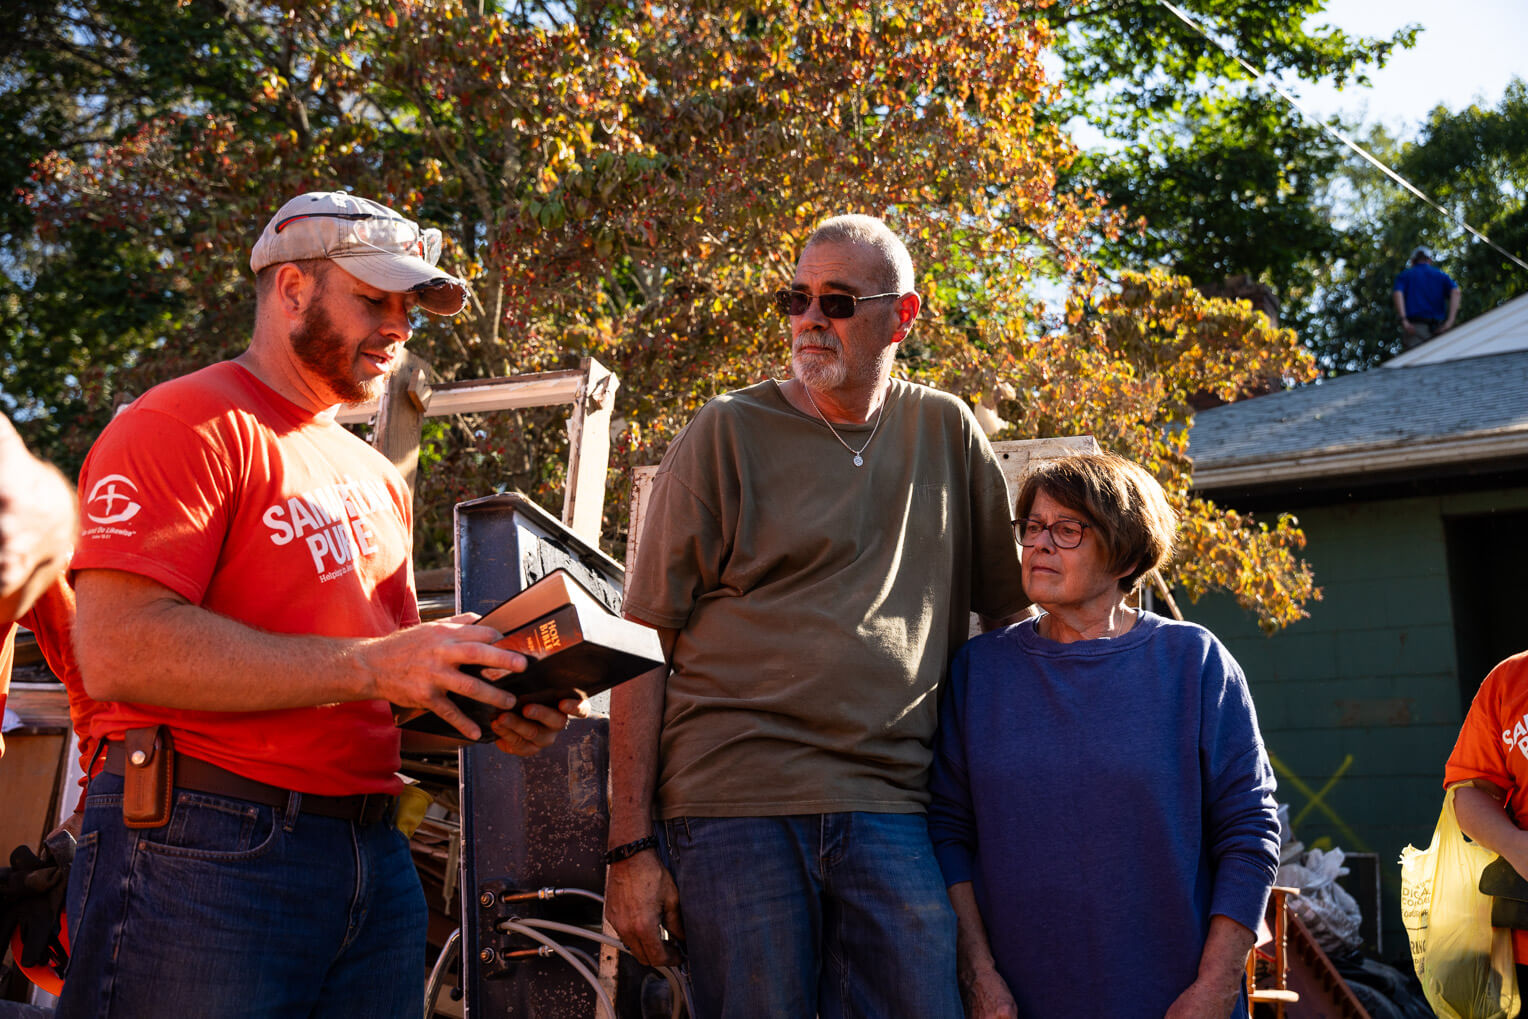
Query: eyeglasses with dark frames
{"x": 796, "y": 302}
{"x": 1065, "y": 532}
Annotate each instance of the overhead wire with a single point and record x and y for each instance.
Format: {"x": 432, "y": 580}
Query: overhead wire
{"x": 1335, "y": 133}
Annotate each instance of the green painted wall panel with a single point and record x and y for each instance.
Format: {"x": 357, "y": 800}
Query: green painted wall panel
{"x": 1407, "y": 649}
{"x": 1375, "y": 749}
{"x": 1372, "y": 674}
{"x": 1301, "y": 657}
{"x": 1361, "y": 805}
{"x": 1366, "y": 701}
{"x": 1498, "y": 500}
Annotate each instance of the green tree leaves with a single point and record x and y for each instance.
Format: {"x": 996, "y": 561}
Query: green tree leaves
{"x": 630, "y": 182}
{"x": 1220, "y": 176}
{"x": 1474, "y": 164}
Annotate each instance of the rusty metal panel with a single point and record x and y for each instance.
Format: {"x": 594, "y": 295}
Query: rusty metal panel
{"x": 529, "y": 823}
{"x": 506, "y": 542}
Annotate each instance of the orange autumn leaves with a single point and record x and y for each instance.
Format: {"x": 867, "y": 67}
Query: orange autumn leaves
{"x": 630, "y": 182}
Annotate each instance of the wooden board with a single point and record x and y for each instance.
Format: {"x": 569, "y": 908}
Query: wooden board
{"x": 1015, "y": 455}
{"x": 35, "y": 766}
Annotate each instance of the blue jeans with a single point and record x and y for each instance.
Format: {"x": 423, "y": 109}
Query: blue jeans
{"x": 239, "y": 910}
{"x": 831, "y": 915}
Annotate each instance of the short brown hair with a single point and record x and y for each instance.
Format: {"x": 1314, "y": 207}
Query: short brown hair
{"x": 265, "y": 279}
{"x": 1126, "y": 506}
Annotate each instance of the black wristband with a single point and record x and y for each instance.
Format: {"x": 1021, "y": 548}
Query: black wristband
{"x": 630, "y": 849}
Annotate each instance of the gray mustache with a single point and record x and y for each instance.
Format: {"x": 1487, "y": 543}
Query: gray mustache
{"x": 817, "y": 338}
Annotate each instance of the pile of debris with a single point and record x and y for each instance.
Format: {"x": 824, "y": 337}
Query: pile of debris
{"x": 1332, "y": 920}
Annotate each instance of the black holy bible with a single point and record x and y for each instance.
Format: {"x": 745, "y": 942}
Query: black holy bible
{"x": 574, "y": 647}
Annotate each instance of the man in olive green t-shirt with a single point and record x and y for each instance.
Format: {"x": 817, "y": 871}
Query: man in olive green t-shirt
{"x": 812, "y": 553}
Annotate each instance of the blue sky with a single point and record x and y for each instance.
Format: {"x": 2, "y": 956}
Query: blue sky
{"x": 1467, "y": 52}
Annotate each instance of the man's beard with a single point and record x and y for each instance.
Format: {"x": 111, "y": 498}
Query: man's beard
{"x": 321, "y": 349}
{"x": 814, "y": 372}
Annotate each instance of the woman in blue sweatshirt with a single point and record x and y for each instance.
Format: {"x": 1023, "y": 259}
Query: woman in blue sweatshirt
{"x": 1102, "y": 804}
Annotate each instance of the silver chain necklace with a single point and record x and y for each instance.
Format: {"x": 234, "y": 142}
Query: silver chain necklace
{"x": 859, "y": 461}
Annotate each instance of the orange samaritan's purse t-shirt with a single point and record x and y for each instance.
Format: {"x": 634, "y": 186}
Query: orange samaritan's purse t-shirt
{"x": 1493, "y": 745}
{"x": 243, "y": 503}
{"x": 51, "y": 620}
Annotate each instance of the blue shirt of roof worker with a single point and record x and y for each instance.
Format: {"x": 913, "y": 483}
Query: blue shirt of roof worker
{"x": 1426, "y": 299}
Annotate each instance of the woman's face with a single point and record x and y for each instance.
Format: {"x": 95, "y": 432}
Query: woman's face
{"x": 1067, "y": 577}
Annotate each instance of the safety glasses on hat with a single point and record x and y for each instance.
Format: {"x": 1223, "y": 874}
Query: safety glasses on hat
{"x": 796, "y": 302}
{"x": 368, "y": 240}
{"x": 384, "y": 233}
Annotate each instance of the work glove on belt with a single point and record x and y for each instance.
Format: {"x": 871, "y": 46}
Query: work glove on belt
{"x": 32, "y": 891}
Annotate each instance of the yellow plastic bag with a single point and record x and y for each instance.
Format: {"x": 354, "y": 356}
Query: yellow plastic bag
{"x": 1465, "y": 964}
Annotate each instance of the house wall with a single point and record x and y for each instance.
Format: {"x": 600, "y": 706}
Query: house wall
{"x": 1360, "y": 704}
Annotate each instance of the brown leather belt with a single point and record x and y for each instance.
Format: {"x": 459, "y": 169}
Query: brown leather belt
{"x": 196, "y": 775}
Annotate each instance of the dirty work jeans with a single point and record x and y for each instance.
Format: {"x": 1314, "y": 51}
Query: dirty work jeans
{"x": 235, "y": 909}
{"x": 831, "y": 915}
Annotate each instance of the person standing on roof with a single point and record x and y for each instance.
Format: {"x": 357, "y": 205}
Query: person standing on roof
{"x": 1426, "y": 299}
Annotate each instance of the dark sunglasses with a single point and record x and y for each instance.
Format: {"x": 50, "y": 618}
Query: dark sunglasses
{"x": 796, "y": 302}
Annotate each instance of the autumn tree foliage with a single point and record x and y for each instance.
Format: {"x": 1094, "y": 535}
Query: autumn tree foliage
{"x": 631, "y": 182}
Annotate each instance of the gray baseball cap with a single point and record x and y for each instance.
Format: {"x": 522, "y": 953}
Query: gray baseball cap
{"x": 370, "y": 241}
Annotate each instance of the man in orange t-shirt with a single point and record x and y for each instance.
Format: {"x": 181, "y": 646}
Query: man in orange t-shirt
{"x": 245, "y": 584}
{"x": 37, "y": 525}
{"x": 1490, "y": 765}
{"x": 51, "y": 620}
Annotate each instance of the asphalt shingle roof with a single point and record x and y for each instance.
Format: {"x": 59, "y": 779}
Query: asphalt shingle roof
{"x": 1498, "y": 331}
{"x": 1377, "y": 409}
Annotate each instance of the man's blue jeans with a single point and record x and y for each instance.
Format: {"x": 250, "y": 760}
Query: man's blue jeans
{"x": 831, "y": 915}
{"x": 239, "y": 910}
